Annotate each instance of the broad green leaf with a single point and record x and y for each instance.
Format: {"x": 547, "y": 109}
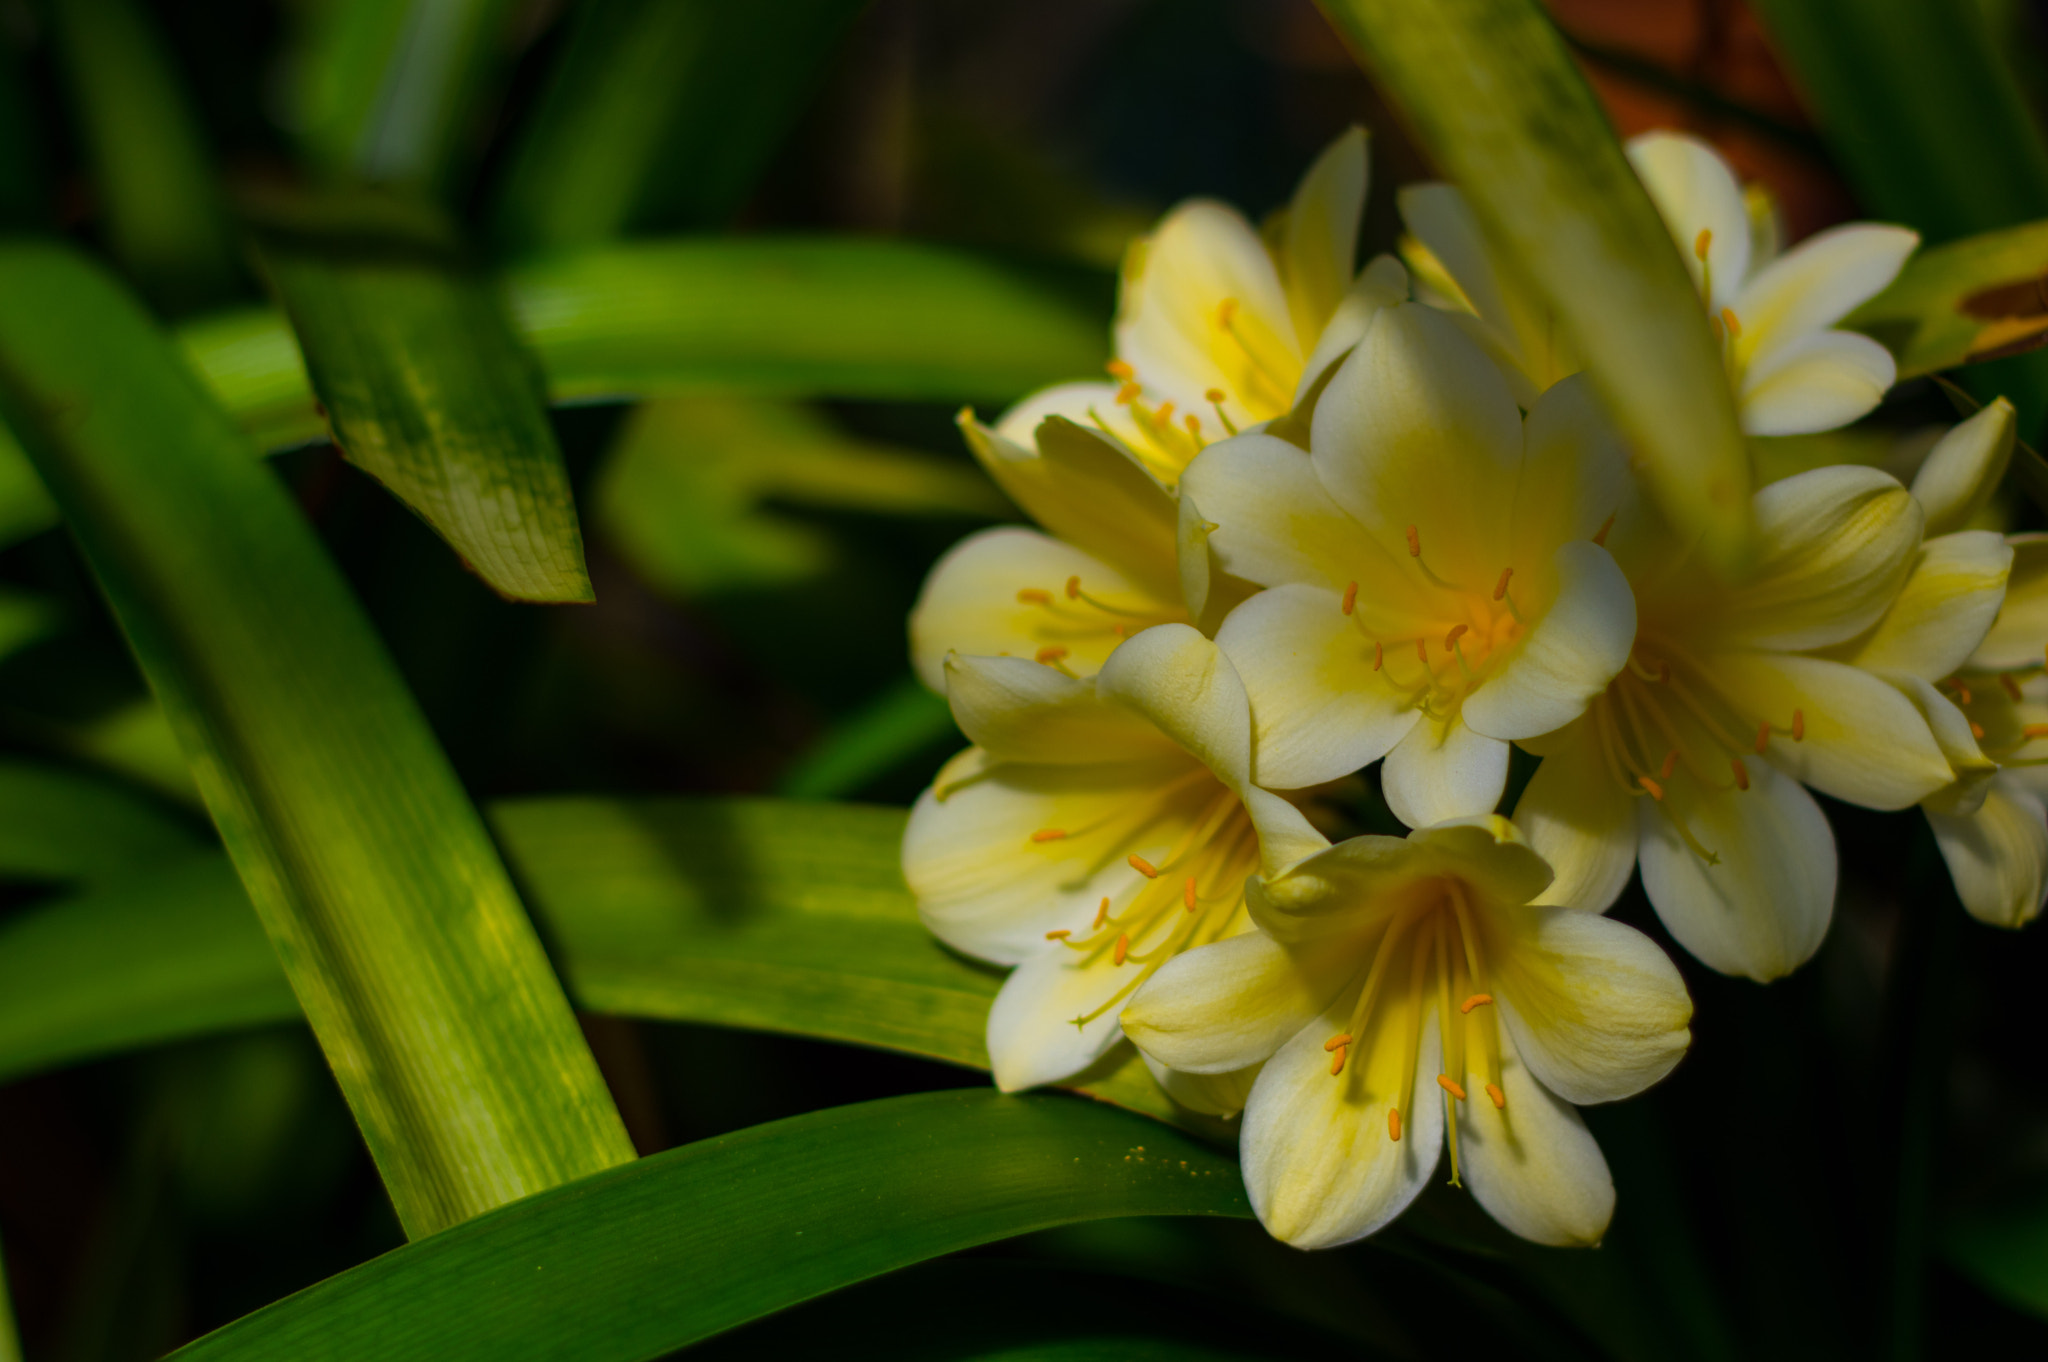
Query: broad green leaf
{"x": 759, "y": 914}
{"x": 60, "y": 826}
{"x": 428, "y": 392}
{"x": 384, "y": 90}
{"x": 631, "y": 1263}
{"x": 136, "y": 741}
{"x": 662, "y": 114}
{"x": 695, "y": 490}
{"x": 2003, "y": 1247}
{"x": 367, "y": 865}
{"x": 25, "y": 618}
{"x": 252, "y": 362}
{"x": 880, "y": 737}
{"x": 1980, "y": 298}
{"x": 1495, "y": 100}
{"x": 163, "y": 213}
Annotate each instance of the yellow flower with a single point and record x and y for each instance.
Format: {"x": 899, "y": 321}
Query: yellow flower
{"x": 1434, "y": 588}
{"x": 1774, "y": 314}
{"x": 1217, "y": 329}
{"x": 1097, "y": 828}
{"x": 1693, "y": 760}
{"x": 1403, "y": 994}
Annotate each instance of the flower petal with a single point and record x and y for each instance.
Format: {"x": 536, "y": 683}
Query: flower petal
{"x": 1533, "y": 1164}
{"x": 1518, "y": 324}
{"x": 1032, "y": 1038}
{"x": 1962, "y": 471}
{"x": 1943, "y": 612}
{"x": 2019, "y": 637}
{"x": 1221, "y": 1095}
{"x": 970, "y": 605}
{"x": 1579, "y": 818}
{"x": 1833, "y": 547}
{"x": 1816, "y": 382}
{"x": 1320, "y": 238}
{"x": 1318, "y": 709}
{"x": 1442, "y": 771}
{"x": 1998, "y": 856}
{"x": 1597, "y": 1011}
{"x": 1695, "y": 191}
{"x": 1184, "y": 685}
{"x": 1567, "y": 657}
{"x": 1274, "y": 522}
{"x": 1354, "y": 887}
{"x": 1763, "y": 907}
{"x": 1575, "y": 473}
{"x": 1082, "y": 403}
{"x": 1418, "y": 429}
{"x": 1021, "y": 711}
{"x": 1864, "y": 742}
{"x": 1972, "y": 770}
{"x": 1816, "y": 284}
{"x": 1382, "y": 283}
{"x": 1318, "y": 1165}
{"x": 1222, "y": 1007}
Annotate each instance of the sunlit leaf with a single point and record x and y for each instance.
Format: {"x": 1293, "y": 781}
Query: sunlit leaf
{"x": 1980, "y": 298}
{"x": 136, "y": 740}
{"x": 367, "y": 865}
{"x": 429, "y": 393}
{"x": 903, "y": 722}
{"x": 1495, "y": 100}
{"x": 631, "y": 1263}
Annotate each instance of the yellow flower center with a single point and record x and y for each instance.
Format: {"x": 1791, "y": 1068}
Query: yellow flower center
{"x": 1437, "y": 664}
{"x": 1987, "y": 700}
{"x": 1431, "y": 954}
{"x": 1073, "y": 615}
{"x": 1192, "y": 895}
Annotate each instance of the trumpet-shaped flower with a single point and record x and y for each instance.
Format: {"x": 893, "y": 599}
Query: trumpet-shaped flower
{"x": 1097, "y": 828}
{"x": 1434, "y": 588}
{"x": 1406, "y": 995}
{"x": 1792, "y": 372}
{"x": 1693, "y": 761}
{"x": 1218, "y": 328}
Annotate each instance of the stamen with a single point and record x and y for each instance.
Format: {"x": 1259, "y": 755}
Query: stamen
{"x": 1443, "y": 1081}
{"x": 1700, "y": 246}
{"x": 1500, "y": 588}
{"x": 1123, "y": 948}
{"x": 1379, "y": 655}
{"x": 1458, "y": 631}
{"x": 2034, "y": 731}
{"x": 1061, "y": 935}
{"x": 1187, "y": 893}
{"x": 1605, "y": 526}
{"x": 1128, "y": 394}
{"x": 1164, "y": 416}
{"x": 1337, "y": 1061}
{"x": 1338, "y": 1041}
{"x": 1394, "y": 1124}
{"x": 2012, "y": 687}
{"x": 1734, "y": 324}
{"x": 1500, "y": 1099}
{"x": 1650, "y": 787}
{"x": 1798, "y": 725}
{"x": 1670, "y": 765}
{"x": 1102, "y": 913}
{"x": 1073, "y": 588}
{"x": 1962, "y": 690}
{"x": 1194, "y": 425}
{"x": 1143, "y": 866}
{"x": 1226, "y": 313}
{"x": 1421, "y": 653}
{"x": 1763, "y": 737}
{"x": 1051, "y": 653}
{"x": 1476, "y": 1000}
{"x": 1214, "y": 395}
{"x": 1414, "y": 543}
{"x": 1048, "y": 834}
{"x": 1741, "y": 773}
{"x": 1977, "y": 731}
{"x": 1118, "y": 369}
{"x": 1031, "y": 595}
{"x": 1350, "y": 598}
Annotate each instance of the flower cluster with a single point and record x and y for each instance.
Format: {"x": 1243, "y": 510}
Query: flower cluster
{"x": 1324, "y": 517}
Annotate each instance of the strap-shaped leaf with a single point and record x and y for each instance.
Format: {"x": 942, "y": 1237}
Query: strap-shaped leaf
{"x": 367, "y": 865}
{"x": 631, "y": 1263}
{"x": 428, "y": 392}
{"x": 61, "y": 826}
{"x": 1977, "y": 299}
{"x": 1494, "y": 99}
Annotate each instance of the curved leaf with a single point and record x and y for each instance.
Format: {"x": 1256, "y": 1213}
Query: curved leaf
{"x": 63, "y": 826}
{"x": 631, "y": 1263}
{"x": 1980, "y": 298}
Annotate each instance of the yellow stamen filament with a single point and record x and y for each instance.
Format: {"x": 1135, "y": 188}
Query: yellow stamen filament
{"x": 1443, "y": 1081}
{"x": 1338, "y": 1041}
{"x": 1031, "y": 595}
{"x": 1741, "y": 773}
{"x": 1143, "y": 866}
{"x": 1394, "y": 1124}
{"x": 1350, "y": 598}
{"x": 1500, "y": 1099}
{"x": 1458, "y": 631}
{"x": 1500, "y": 588}
{"x": 1734, "y": 324}
{"x": 1476, "y": 1000}
{"x": 1048, "y": 834}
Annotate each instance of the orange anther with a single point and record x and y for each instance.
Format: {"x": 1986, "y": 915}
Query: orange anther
{"x": 1226, "y": 313}
{"x": 1194, "y": 425}
{"x": 1187, "y": 893}
{"x": 1215, "y": 395}
{"x": 1476, "y": 1000}
{"x": 1977, "y": 731}
{"x": 1102, "y": 913}
{"x": 1118, "y": 369}
{"x": 1500, "y": 1099}
{"x": 1729, "y": 320}
{"x": 1605, "y": 526}
{"x": 1050, "y": 653}
{"x": 1073, "y": 588}
{"x": 1337, "y": 1061}
{"x": 1031, "y": 595}
{"x": 1650, "y": 787}
{"x": 1341, "y": 1039}
{"x": 1394, "y": 1124}
{"x": 1763, "y": 737}
{"x": 1670, "y": 764}
{"x": 1164, "y": 416}
{"x": 1143, "y": 866}
{"x": 1702, "y": 242}
{"x": 1421, "y": 652}
{"x": 1123, "y": 948}
{"x": 1061, "y": 935}
{"x": 1414, "y": 543}
{"x": 1458, "y": 631}
{"x": 1962, "y": 692}
{"x": 1128, "y": 394}
{"x": 1443, "y": 1081}
{"x": 2035, "y": 731}
{"x": 1500, "y": 588}
{"x": 1741, "y": 773}
{"x": 1048, "y": 834}
{"x": 1379, "y": 655}
{"x": 1350, "y": 598}
{"x": 2012, "y": 687}
{"x": 1799, "y": 724}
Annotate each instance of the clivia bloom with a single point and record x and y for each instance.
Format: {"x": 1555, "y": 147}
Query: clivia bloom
{"x": 1736, "y": 695}
{"x": 1434, "y": 588}
{"x": 1218, "y": 329}
{"x": 1406, "y": 995}
{"x": 1097, "y": 828}
{"x": 1791, "y": 371}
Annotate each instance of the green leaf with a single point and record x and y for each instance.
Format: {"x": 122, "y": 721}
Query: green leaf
{"x": 63, "y": 827}
{"x": 1495, "y": 100}
{"x": 2003, "y": 1247}
{"x": 634, "y": 1262}
{"x": 367, "y": 865}
{"x": 164, "y": 218}
{"x": 903, "y": 722}
{"x": 695, "y": 493}
{"x": 10, "y": 1339}
{"x": 1980, "y": 298}
{"x": 662, "y": 114}
{"x": 429, "y": 393}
